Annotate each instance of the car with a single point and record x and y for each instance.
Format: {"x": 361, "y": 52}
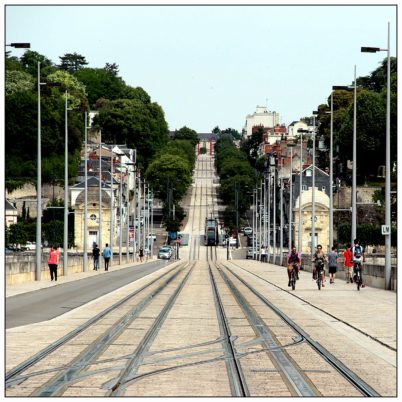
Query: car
{"x": 232, "y": 241}
{"x": 30, "y": 246}
{"x": 165, "y": 253}
{"x": 248, "y": 231}
{"x": 250, "y": 253}
{"x": 152, "y": 236}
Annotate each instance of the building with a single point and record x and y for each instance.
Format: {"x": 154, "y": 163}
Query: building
{"x": 11, "y": 213}
{"x": 321, "y": 202}
{"x": 261, "y": 118}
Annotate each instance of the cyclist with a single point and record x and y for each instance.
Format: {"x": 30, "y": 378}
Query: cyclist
{"x": 358, "y": 258}
{"x": 319, "y": 260}
{"x": 293, "y": 259}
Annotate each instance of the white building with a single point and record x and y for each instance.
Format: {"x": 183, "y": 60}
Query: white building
{"x": 261, "y": 117}
{"x": 294, "y": 126}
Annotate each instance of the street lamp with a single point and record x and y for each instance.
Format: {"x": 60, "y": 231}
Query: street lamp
{"x": 387, "y": 162}
{"x": 39, "y": 181}
{"x": 290, "y": 145}
{"x": 301, "y": 131}
{"x": 20, "y": 45}
{"x": 315, "y": 112}
{"x": 354, "y": 167}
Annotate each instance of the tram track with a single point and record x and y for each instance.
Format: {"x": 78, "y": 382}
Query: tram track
{"x": 349, "y": 375}
{"x": 32, "y": 367}
{"x": 317, "y": 308}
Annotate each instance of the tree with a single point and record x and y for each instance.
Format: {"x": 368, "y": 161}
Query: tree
{"x": 112, "y": 68}
{"x": 141, "y": 126}
{"x": 29, "y": 62}
{"x": 250, "y": 146}
{"x": 186, "y": 133}
{"x": 17, "y": 81}
{"x": 169, "y": 171}
{"x": 100, "y": 83}
{"x": 72, "y": 62}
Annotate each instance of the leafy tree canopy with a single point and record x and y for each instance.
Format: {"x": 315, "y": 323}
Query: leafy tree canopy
{"x": 72, "y": 62}
{"x": 17, "y": 81}
{"x": 186, "y": 133}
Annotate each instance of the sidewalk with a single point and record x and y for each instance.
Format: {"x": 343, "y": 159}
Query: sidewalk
{"x": 13, "y": 290}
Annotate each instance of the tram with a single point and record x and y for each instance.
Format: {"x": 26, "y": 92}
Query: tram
{"x": 211, "y": 237}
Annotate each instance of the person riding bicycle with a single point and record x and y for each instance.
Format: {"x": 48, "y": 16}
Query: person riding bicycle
{"x": 319, "y": 260}
{"x": 357, "y": 258}
{"x": 293, "y": 259}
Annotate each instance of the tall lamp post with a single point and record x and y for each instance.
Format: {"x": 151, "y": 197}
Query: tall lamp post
{"x": 65, "y": 237}
{"x": 300, "y": 189}
{"x": 315, "y": 112}
{"x": 291, "y": 146}
{"x": 39, "y": 173}
{"x": 354, "y": 167}
{"x": 387, "y": 162}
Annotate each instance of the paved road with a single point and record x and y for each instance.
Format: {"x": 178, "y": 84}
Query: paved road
{"x": 48, "y": 303}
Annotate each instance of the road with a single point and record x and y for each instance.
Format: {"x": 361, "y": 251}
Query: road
{"x": 205, "y": 326}
{"x": 48, "y": 303}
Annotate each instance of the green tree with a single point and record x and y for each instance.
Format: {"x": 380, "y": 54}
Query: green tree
{"x": 251, "y": 145}
{"x": 141, "y": 126}
{"x": 101, "y": 83}
{"x": 72, "y": 62}
{"x": 169, "y": 171}
{"x": 29, "y": 62}
{"x": 186, "y": 133}
{"x": 17, "y": 81}
{"x": 17, "y": 233}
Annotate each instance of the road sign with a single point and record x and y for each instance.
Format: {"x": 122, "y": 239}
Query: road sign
{"x": 385, "y": 229}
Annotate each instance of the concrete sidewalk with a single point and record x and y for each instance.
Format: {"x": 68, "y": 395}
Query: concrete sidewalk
{"x": 13, "y": 290}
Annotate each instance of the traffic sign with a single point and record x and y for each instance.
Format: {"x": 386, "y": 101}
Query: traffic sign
{"x": 385, "y": 229}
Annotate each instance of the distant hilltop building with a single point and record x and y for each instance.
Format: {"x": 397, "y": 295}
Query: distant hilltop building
{"x": 261, "y": 117}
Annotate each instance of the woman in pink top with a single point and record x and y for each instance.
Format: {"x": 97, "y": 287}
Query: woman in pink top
{"x": 53, "y": 261}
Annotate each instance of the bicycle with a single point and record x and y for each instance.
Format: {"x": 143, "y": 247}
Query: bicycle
{"x": 293, "y": 277}
{"x": 320, "y": 275}
{"x": 358, "y": 278}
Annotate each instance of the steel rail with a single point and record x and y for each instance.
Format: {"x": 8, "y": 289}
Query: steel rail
{"x": 352, "y": 377}
{"x": 237, "y": 381}
{"x": 54, "y": 386}
{"x": 11, "y": 374}
{"x": 118, "y": 388}
{"x": 300, "y": 384}
{"x": 319, "y": 309}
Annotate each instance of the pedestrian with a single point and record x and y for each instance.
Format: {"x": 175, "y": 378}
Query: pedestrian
{"x": 95, "y": 255}
{"x": 106, "y": 256}
{"x": 53, "y": 261}
{"x": 332, "y": 264}
{"x": 146, "y": 253}
{"x": 348, "y": 264}
{"x": 141, "y": 254}
{"x": 264, "y": 254}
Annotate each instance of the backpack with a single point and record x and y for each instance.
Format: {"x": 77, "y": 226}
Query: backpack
{"x": 358, "y": 252}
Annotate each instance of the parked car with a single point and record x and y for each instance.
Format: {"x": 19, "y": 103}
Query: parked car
{"x": 248, "y": 231}
{"x": 249, "y": 253}
{"x": 232, "y": 241}
{"x": 29, "y": 246}
{"x": 152, "y": 236}
{"x": 165, "y": 253}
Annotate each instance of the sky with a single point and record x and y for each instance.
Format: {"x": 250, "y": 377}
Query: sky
{"x": 209, "y": 65}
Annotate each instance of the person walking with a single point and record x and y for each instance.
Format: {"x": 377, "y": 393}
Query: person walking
{"x": 95, "y": 255}
{"x": 106, "y": 256}
{"x": 348, "y": 264}
{"x": 53, "y": 261}
{"x": 264, "y": 254}
{"x": 141, "y": 254}
{"x": 332, "y": 264}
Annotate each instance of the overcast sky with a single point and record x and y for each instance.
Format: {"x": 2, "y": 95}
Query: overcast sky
{"x": 210, "y": 65}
